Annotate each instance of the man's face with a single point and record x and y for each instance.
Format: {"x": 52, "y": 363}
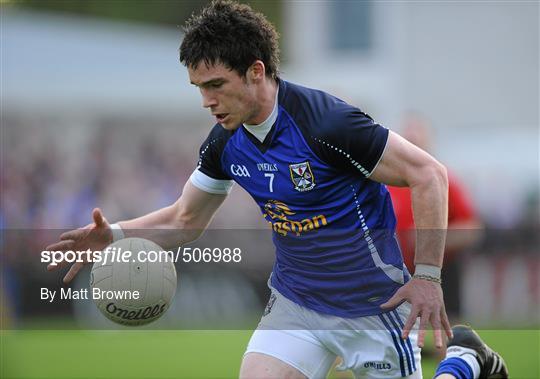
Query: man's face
{"x": 230, "y": 97}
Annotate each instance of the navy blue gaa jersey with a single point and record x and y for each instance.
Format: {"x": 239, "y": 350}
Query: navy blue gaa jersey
{"x": 333, "y": 227}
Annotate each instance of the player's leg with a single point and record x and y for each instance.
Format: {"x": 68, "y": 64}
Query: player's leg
{"x": 258, "y": 365}
{"x": 285, "y": 354}
{"x": 468, "y": 357}
{"x": 283, "y": 346}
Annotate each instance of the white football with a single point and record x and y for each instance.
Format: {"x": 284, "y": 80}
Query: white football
{"x": 135, "y": 292}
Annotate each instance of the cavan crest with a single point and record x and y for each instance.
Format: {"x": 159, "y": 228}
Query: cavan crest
{"x": 302, "y": 176}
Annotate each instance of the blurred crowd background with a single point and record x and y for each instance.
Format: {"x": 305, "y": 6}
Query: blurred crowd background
{"x": 97, "y": 111}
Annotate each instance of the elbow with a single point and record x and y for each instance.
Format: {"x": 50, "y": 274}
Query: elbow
{"x": 439, "y": 178}
{"x": 432, "y": 174}
{"x": 186, "y": 221}
{"x": 183, "y": 218}
{"x": 440, "y": 174}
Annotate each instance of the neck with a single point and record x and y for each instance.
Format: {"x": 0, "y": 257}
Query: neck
{"x": 267, "y": 96}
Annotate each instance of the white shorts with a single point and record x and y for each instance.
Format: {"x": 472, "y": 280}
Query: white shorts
{"x": 371, "y": 346}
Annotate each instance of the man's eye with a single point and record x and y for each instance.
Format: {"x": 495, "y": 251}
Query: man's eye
{"x": 216, "y": 85}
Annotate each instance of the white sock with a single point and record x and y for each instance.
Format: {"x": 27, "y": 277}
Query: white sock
{"x": 468, "y": 355}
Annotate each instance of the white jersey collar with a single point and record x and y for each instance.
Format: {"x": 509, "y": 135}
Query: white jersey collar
{"x": 261, "y": 131}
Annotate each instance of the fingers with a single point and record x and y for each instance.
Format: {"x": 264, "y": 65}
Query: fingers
{"x": 73, "y": 234}
{"x": 437, "y": 333}
{"x": 424, "y": 321}
{"x": 446, "y": 324}
{"x": 409, "y": 324}
{"x": 73, "y": 271}
{"x": 70, "y": 241}
{"x": 56, "y": 249}
{"x": 61, "y": 246}
{"x": 99, "y": 220}
{"x": 393, "y": 302}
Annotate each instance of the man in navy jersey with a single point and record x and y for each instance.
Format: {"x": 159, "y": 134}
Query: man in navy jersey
{"x": 316, "y": 166}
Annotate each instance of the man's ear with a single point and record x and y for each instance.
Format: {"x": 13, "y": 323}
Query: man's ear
{"x": 257, "y": 71}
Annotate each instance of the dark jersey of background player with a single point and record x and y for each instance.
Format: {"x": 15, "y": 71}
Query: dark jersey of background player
{"x": 307, "y": 167}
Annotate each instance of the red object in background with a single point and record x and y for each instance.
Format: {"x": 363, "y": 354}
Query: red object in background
{"x": 459, "y": 209}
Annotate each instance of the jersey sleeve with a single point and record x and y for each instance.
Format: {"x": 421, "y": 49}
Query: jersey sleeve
{"x": 210, "y": 185}
{"x": 351, "y": 140}
{"x": 209, "y": 175}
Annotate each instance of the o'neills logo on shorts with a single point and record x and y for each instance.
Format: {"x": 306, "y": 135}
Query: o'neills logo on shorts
{"x": 276, "y": 214}
{"x": 142, "y": 314}
{"x": 378, "y": 365}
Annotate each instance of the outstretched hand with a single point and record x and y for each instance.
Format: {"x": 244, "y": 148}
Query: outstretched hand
{"x": 426, "y": 298}
{"x": 94, "y": 236}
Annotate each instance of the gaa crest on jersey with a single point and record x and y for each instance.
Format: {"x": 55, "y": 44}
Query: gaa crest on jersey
{"x": 302, "y": 176}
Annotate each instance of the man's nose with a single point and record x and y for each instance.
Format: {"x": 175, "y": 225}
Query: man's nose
{"x": 208, "y": 100}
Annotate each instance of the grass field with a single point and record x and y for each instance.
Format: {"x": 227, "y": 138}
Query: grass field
{"x": 184, "y": 354}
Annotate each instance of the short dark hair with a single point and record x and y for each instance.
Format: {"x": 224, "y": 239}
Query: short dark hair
{"x": 233, "y": 34}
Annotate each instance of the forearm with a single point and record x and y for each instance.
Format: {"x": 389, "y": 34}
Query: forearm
{"x": 166, "y": 227}
{"x": 179, "y": 223}
{"x": 430, "y": 209}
